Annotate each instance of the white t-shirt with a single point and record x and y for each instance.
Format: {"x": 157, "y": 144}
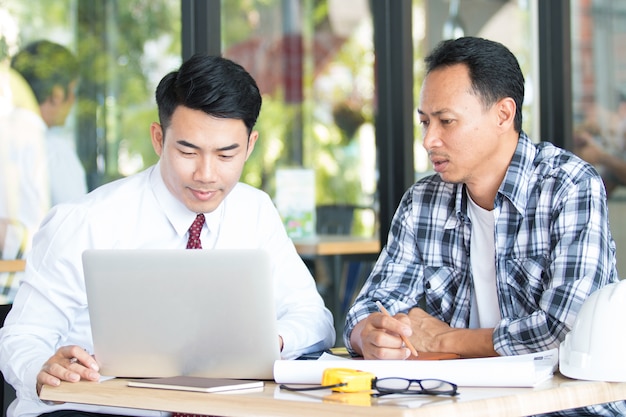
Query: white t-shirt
{"x": 485, "y": 310}
{"x": 50, "y": 309}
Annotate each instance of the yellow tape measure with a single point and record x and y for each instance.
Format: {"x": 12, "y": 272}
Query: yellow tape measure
{"x": 355, "y": 381}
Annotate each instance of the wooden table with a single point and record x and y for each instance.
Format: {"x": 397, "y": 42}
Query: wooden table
{"x": 558, "y": 393}
{"x": 330, "y": 245}
{"x": 336, "y": 249}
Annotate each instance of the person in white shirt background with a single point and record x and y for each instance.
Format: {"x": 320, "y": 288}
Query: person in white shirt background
{"x": 52, "y": 71}
{"x": 24, "y": 186}
{"x": 207, "y": 111}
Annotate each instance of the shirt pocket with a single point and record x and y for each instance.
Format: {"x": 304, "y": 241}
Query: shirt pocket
{"x": 525, "y": 283}
{"x": 444, "y": 291}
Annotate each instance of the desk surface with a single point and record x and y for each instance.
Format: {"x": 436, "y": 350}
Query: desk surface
{"x": 337, "y": 245}
{"x": 559, "y": 393}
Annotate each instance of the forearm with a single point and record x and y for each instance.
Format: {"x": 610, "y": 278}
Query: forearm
{"x": 21, "y": 358}
{"x": 468, "y": 343}
{"x": 615, "y": 165}
{"x": 433, "y": 335}
{"x": 308, "y": 330}
{"x": 304, "y": 323}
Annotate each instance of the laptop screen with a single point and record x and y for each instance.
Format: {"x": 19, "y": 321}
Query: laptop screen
{"x": 157, "y": 313}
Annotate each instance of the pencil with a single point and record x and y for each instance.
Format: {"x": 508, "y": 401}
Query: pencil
{"x": 406, "y": 341}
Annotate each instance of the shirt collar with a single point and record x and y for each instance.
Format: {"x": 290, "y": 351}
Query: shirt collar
{"x": 518, "y": 176}
{"x": 213, "y": 220}
{"x": 514, "y": 186}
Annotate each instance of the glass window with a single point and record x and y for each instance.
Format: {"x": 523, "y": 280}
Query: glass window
{"x": 599, "y": 100}
{"x": 314, "y": 63}
{"x": 599, "y": 82}
{"x": 77, "y": 81}
{"x": 510, "y": 22}
{"x": 124, "y": 47}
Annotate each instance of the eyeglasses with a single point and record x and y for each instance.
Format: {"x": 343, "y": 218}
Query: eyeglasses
{"x": 386, "y": 386}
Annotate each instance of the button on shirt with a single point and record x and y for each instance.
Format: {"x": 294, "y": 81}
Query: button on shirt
{"x": 132, "y": 213}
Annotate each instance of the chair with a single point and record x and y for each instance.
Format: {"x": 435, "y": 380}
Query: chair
{"x": 334, "y": 219}
{"x": 10, "y": 266}
{"x": 339, "y": 219}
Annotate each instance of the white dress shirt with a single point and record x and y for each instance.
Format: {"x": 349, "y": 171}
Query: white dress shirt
{"x": 50, "y": 309}
{"x": 67, "y": 174}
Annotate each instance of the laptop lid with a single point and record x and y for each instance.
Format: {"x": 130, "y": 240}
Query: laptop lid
{"x": 158, "y": 313}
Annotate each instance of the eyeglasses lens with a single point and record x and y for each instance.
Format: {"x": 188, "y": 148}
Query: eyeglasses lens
{"x": 425, "y": 386}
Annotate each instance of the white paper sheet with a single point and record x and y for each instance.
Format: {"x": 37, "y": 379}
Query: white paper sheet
{"x": 504, "y": 371}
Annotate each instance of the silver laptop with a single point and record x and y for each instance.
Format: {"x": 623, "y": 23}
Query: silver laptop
{"x": 158, "y": 313}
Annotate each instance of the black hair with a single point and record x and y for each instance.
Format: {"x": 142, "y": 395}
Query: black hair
{"x": 493, "y": 69}
{"x": 44, "y": 65}
{"x": 215, "y": 85}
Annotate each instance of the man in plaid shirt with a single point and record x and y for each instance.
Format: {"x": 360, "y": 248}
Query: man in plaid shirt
{"x": 496, "y": 252}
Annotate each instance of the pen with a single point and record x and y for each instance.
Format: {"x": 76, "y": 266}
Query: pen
{"x": 406, "y": 341}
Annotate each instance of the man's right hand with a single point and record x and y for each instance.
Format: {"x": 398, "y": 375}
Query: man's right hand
{"x": 69, "y": 363}
{"x": 378, "y": 336}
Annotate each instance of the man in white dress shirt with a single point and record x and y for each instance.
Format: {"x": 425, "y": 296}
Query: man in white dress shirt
{"x": 24, "y": 189}
{"x": 52, "y": 71}
{"x": 207, "y": 111}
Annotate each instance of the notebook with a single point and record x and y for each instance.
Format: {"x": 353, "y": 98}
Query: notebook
{"x": 162, "y": 313}
{"x": 196, "y": 383}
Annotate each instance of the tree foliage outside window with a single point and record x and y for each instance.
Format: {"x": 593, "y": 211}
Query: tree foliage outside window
{"x": 331, "y": 120}
{"x": 124, "y": 47}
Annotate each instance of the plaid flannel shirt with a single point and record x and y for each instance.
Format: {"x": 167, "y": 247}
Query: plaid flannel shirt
{"x": 553, "y": 249}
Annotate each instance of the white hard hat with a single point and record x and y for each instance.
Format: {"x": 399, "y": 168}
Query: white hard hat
{"x": 594, "y": 348}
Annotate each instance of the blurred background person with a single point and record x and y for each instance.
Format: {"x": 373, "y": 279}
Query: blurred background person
{"x": 24, "y": 186}
{"x": 52, "y": 72}
{"x": 601, "y": 141}
{"x": 612, "y": 167}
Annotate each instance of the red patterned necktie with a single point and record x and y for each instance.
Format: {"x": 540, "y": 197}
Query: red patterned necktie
{"x": 194, "y": 243}
{"x": 194, "y": 233}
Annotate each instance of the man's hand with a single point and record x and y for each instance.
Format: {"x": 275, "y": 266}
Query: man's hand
{"x": 428, "y": 331}
{"x": 433, "y": 335}
{"x": 69, "y": 363}
{"x": 587, "y": 148}
{"x": 378, "y": 336}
